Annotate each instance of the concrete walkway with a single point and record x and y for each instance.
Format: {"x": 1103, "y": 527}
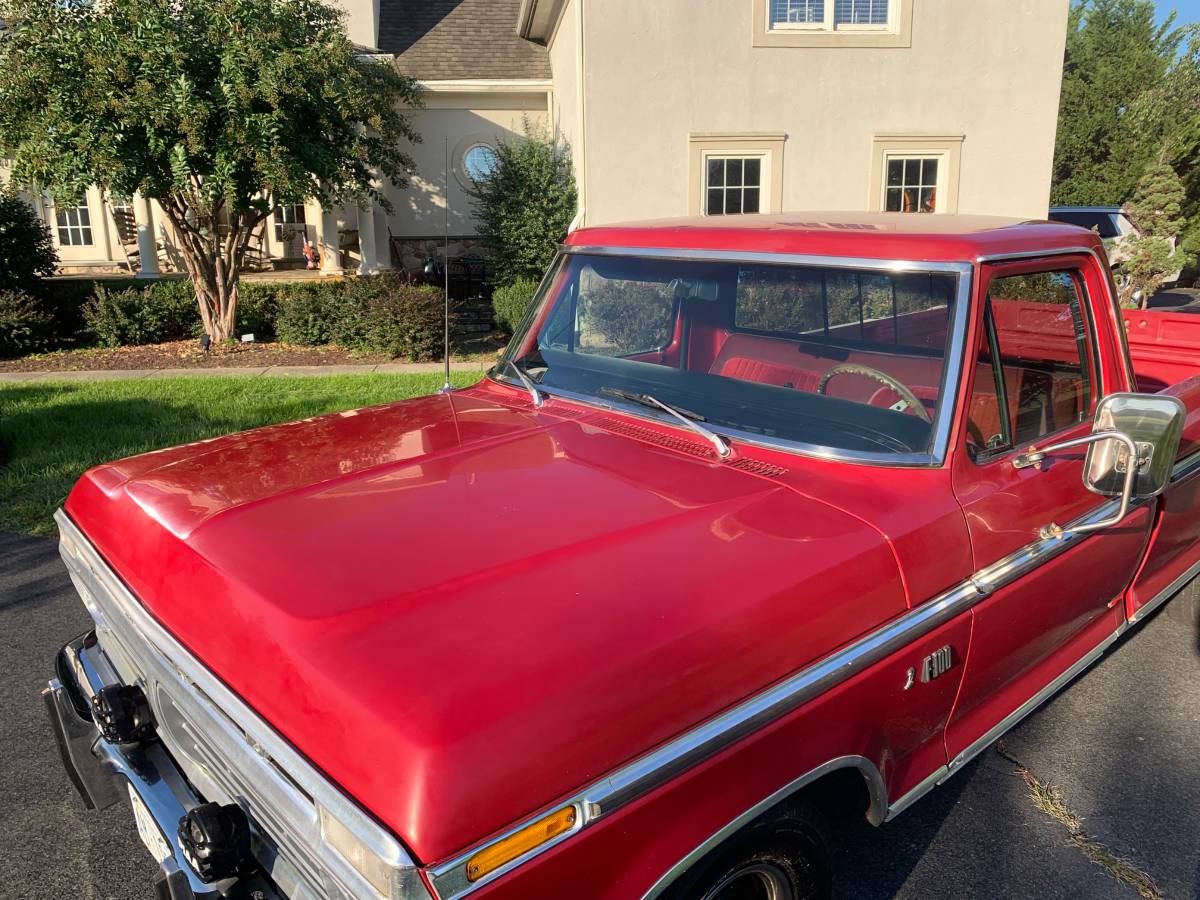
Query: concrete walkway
{"x": 268, "y": 371}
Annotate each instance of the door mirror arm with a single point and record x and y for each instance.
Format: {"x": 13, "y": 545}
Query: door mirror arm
{"x": 1034, "y": 456}
{"x": 1131, "y": 451}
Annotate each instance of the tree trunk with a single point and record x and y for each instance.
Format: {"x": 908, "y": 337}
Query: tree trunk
{"x": 213, "y": 263}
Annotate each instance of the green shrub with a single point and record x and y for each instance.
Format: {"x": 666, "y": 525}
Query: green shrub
{"x": 24, "y": 326}
{"x": 511, "y": 300}
{"x": 258, "y": 304}
{"x": 26, "y": 251}
{"x": 304, "y": 312}
{"x": 403, "y": 320}
{"x": 378, "y": 313}
{"x": 525, "y": 206}
{"x": 161, "y": 311}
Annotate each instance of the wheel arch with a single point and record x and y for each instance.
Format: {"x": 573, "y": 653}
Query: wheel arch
{"x": 876, "y": 813}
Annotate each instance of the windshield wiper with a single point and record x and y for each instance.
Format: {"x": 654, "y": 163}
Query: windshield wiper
{"x": 525, "y": 380}
{"x": 690, "y": 419}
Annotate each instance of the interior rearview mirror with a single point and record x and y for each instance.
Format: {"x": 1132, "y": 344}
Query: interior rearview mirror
{"x": 1155, "y": 424}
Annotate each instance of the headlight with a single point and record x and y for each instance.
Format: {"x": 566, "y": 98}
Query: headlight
{"x": 392, "y": 879}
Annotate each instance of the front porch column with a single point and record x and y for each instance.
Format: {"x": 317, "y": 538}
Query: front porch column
{"x": 367, "y": 249}
{"x": 143, "y": 218}
{"x": 327, "y": 242}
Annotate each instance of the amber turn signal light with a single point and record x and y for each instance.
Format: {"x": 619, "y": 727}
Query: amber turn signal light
{"x": 519, "y": 843}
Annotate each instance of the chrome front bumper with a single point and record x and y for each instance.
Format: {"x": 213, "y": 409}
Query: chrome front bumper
{"x": 100, "y": 771}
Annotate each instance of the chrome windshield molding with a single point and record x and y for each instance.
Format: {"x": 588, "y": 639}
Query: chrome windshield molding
{"x": 787, "y": 259}
{"x": 816, "y": 451}
{"x": 951, "y": 375}
{"x": 262, "y": 766}
{"x": 1185, "y": 466}
{"x": 875, "y": 788}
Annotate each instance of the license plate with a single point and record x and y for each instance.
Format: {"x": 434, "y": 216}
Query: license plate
{"x": 147, "y": 828}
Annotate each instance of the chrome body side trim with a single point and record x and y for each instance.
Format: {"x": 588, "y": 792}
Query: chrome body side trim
{"x": 951, "y": 374}
{"x": 860, "y": 763}
{"x": 1165, "y": 594}
{"x": 928, "y": 783}
{"x": 655, "y": 768}
{"x": 943, "y": 773}
{"x": 1186, "y": 466}
{"x": 223, "y": 747}
{"x": 1013, "y": 718}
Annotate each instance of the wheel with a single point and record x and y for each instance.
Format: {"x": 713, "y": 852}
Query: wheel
{"x": 783, "y": 858}
{"x": 1184, "y": 607}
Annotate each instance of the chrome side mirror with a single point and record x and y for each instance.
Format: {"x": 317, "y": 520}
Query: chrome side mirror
{"x": 1155, "y": 423}
{"x": 1131, "y": 451}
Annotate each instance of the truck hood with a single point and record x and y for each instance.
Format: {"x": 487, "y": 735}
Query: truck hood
{"x": 462, "y": 609}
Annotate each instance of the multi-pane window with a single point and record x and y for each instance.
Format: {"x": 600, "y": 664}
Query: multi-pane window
{"x": 911, "y": 185}
{"x": 797, "y": 12}
{"x": 289, "y": 220}
{"x": 860, "y": 12}
{"x": 732, "y": 184}
{"x": 830, "y": 14}
{"x": 74, "y": 225}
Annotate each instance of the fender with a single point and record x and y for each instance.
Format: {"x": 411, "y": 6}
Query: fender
{"x": 876, "y": 812}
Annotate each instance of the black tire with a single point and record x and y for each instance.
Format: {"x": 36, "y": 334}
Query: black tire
{"x": 1184, "y": 607}
{"x": 785, "y": 857}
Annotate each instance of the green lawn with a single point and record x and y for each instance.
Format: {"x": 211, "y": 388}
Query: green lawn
{"x": 52, "y": 432}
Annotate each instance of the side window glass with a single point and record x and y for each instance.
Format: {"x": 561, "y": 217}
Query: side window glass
{"x": 1034, "y": 373}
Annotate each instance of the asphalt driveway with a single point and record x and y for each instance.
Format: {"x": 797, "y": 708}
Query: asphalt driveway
{"x": 1119, "y": 750}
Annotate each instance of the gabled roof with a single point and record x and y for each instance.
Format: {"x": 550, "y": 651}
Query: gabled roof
{"x": 441, "y": 40}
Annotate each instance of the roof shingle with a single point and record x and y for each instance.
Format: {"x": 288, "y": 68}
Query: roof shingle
{"x": 437, "y": 40}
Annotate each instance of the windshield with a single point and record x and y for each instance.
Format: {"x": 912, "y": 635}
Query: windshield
{"x": 841, "y": 358}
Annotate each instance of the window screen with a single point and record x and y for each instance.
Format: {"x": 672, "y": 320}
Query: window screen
{"x": 860, "y": 12}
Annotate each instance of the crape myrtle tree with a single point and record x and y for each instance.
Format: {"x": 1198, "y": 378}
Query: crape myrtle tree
{"x": 221, "y": 110}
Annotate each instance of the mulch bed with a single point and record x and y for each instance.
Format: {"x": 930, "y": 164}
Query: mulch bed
{"x": 188, "y": 355}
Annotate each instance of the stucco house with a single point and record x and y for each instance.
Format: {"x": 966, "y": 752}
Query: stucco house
{"x": 677, "y": 107}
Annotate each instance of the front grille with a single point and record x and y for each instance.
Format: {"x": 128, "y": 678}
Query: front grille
{"x": 227, "y": 753}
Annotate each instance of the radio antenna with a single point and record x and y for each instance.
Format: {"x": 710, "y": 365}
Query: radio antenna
{"x": 446, "y": 387}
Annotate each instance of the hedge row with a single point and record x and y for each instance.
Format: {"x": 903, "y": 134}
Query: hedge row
{"x": 381, "y": 313}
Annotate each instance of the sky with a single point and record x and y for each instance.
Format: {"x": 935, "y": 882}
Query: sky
{"x": 1189, "y": 10}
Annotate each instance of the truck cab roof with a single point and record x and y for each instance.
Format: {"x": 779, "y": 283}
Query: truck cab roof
{"x": 938, "y": 237}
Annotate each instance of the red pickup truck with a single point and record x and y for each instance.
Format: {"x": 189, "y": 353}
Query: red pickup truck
{"x": 756, "y": 519}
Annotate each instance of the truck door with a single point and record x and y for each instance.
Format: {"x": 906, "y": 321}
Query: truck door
{"x": 1034, "y": 376}
{"x": 1174, "y": 555}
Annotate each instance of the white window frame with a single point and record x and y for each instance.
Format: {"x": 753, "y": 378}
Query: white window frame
{"x": 75, "y": 228}
{"x": 939, "y": 186}
{"x": 829, "y": 33}
{"x": 764, "y": 178}
{"x": 280, "y": 221}
{"x": 764, "y": 146}
{"x": 945, "y": 148}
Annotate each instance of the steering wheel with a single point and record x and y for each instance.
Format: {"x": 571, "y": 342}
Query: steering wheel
{"x": 908, "y": 397}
